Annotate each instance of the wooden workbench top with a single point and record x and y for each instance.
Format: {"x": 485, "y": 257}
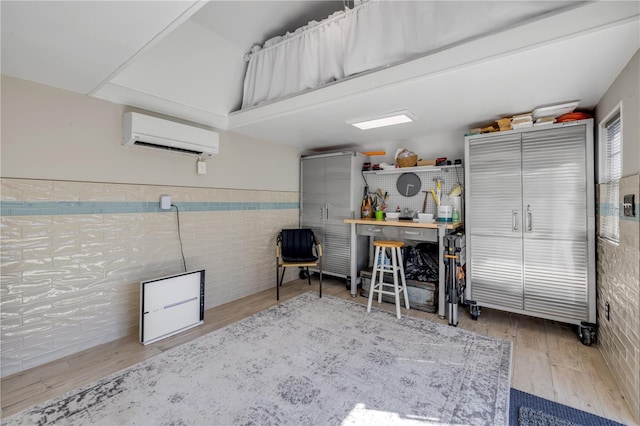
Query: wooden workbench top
{"x": 405, "y": 223}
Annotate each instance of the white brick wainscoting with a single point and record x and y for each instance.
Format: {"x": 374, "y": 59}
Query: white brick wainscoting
{"x": 73, "y": 254}
{"x": 619, "y": 285}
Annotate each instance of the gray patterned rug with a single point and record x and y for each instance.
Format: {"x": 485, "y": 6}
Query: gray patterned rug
{"x": 306, "y": 361}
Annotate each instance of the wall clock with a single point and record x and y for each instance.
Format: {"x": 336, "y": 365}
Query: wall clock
{"x": 408, "y": 184}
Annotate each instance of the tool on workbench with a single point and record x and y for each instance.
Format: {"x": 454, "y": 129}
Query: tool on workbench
{"x": 438, "y": 182}
{"x": 456, "y": 190}
{"x": 424, "y": 203}
{"x": 435, "y": 197}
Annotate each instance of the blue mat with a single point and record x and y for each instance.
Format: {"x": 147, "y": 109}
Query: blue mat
{"x": 540, "y": 411}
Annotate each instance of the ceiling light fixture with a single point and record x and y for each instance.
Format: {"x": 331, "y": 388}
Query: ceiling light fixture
{"x": 391, "y": 119}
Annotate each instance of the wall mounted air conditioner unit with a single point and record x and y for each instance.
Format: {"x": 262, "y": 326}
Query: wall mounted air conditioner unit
{"x": 145, "y": 130}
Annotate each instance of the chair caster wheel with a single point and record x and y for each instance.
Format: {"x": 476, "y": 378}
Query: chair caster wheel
{"x": 304, "y": 274}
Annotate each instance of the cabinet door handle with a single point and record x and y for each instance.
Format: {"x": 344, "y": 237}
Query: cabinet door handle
{"x": 321, "y": 213}
{"x": 530, "y": 221}
{"x": 411, "y": 232}
{"x": 327, "y": 212}
{"x": 514, "y": 217}
{"x": 374, "y": 229}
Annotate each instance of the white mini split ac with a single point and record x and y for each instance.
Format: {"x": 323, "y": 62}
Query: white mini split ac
{"x": 145, "y": 130}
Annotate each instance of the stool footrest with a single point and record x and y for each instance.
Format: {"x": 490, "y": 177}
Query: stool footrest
{"x": 390, "y": 293}
{"x": 377, "y": 284}
{"x": 387, "y": 268}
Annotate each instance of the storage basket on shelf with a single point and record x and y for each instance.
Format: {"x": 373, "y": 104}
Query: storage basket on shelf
{"x": 406, "y": 158}
{"x": 407, "y": 161}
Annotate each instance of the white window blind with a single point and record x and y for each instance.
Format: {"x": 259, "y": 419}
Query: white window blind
{"x": 610, "y": 174}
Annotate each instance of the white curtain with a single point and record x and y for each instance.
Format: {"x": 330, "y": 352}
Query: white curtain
{"x": 374, "y": 34}
{"x": 306, "y": 59}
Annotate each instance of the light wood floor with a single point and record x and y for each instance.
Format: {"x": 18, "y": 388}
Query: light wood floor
{"x": 548, "y": 359}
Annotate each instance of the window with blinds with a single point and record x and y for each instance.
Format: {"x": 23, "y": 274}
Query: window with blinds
{"x": 610, "y": 173}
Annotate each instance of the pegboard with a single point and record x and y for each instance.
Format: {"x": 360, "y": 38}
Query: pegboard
{"x": 450, "y": 175}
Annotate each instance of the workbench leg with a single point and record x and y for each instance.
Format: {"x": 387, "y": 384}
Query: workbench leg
{"x": 442, "y": 231}
{"x": 354, "y": 261}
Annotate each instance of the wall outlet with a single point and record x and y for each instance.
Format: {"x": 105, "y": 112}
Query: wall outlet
{"x": 165, "y": 202}
{"x": 629, "y": 205}
{"x": 201, "y": 167}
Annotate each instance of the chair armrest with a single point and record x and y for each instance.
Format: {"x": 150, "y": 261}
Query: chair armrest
{"x": 318, "y": 246}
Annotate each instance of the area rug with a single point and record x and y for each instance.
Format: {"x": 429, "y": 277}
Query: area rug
{"x": 530, "y": 410}
{"x": 306, "y": 361}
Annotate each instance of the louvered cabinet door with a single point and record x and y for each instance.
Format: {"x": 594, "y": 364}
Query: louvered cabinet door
{"x": 337, "y": 234}
{"x": 555, "y": 222}
{"x": 326, "y": 189}
{"x": 338, "y": 188}
{"x": 312, "y": 199}
{"x": 494, "y": 220}
{"x": 336, "y": 247}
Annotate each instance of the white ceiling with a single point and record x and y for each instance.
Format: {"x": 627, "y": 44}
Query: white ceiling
{"x": 185, "y": 59}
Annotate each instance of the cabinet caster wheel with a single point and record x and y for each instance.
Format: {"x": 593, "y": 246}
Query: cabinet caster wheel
{"x": 587, "y": 333}
{"x": 348, "y": 284}
{"x": 303, "y": 274}
{"x": 474, "y": 310}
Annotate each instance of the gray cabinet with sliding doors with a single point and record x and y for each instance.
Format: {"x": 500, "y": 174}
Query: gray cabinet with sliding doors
{"x": 530, "y": 221}
{"x": 331, "y": 187}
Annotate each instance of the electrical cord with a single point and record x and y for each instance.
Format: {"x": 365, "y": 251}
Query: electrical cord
{"x": 364, "y": 178}
{"x": 184, "y": 262}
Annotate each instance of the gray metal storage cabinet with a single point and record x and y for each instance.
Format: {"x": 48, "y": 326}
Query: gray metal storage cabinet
{"x": 331, "y": 189}
{"x": 530, "y": 221}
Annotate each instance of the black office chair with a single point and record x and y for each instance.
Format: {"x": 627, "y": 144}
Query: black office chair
{"x": 296, "y": 247}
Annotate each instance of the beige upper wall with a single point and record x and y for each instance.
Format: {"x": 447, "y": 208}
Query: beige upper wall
{"x": 626, "y": 88}
{"x": 49, "y": 133}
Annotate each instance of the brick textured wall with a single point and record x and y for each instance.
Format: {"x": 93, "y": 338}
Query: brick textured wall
{"x": 73, "y": 255}
{"x": 619, "y": 285}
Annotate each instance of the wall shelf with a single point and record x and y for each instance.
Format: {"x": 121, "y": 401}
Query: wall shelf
{"x": 401, "y": 170}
